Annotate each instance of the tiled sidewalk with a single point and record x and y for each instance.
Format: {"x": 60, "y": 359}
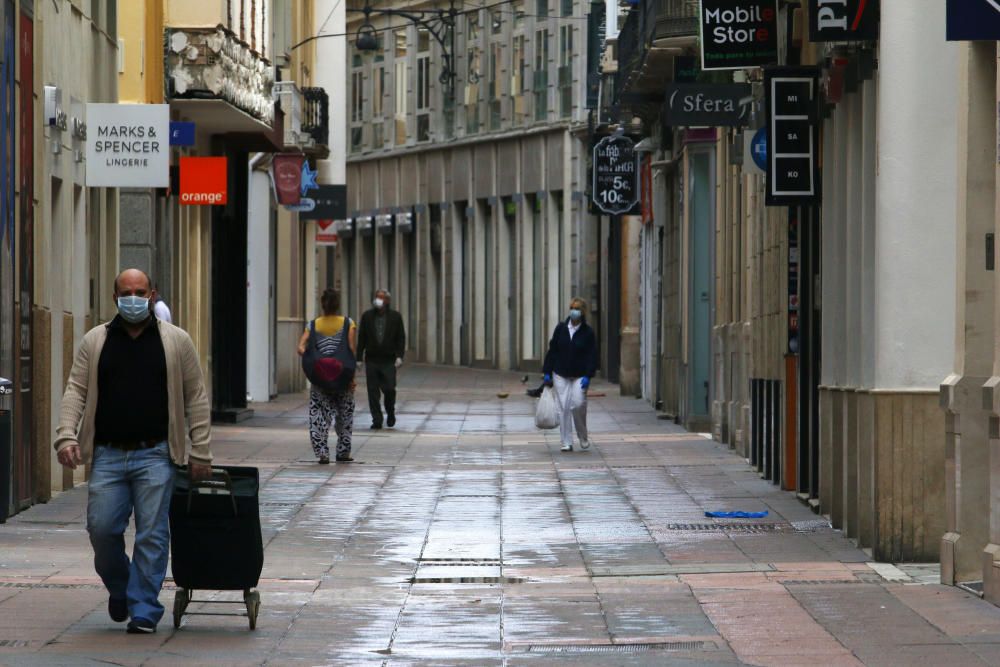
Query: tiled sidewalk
{"x": 465, "y": 537}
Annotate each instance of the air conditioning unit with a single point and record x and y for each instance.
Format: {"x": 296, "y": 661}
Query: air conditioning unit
{"x": 288, "y": 95}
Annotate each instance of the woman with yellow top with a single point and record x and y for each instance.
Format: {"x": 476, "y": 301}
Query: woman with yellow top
{"x": 327, "y": 406}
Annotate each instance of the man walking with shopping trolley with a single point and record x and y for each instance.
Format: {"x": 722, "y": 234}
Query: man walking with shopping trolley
{"x": 134, "y": 395}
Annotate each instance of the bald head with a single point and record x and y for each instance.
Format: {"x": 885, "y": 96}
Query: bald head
{"x": 133, "y": 282}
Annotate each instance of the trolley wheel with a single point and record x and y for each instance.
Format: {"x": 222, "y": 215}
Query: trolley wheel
{"x": 181, "y": 599}
{"x": 252, "y": 600}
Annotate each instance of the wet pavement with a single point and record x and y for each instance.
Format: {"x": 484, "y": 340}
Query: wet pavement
{"x": 465, "y": 537}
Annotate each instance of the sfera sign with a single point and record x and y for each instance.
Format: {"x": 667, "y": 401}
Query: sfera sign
{"x": 708, "y": 104}
{"x": 843, "y": 20}
{"x": 128, "y": 145}
{"x": 203, "y": 181}
{"x": 738, "y": 33}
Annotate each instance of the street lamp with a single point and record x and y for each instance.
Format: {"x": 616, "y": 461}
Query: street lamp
{"x": 440, "y": 23}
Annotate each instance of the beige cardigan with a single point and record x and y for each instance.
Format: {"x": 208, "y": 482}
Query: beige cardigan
{"x": 185, "y": 394}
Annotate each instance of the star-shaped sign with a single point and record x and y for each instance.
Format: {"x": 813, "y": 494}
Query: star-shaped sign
{"x": 308, "y": 178}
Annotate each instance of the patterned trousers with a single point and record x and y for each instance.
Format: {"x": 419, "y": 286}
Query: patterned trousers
{"x": 324, "y": 408}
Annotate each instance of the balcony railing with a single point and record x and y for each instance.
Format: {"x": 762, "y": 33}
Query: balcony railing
{"x": 316, "y": 115}
{"x": 647, "y": 22}
{"x": 212, "y": 63}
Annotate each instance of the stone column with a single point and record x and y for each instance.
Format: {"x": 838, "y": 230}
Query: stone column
{"x": 628, "y": 379}
{"x": 966, "y": 445}
{"x": 915, "y": 271}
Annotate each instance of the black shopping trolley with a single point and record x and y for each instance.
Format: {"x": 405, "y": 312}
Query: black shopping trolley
{"x": 216, "y": 540}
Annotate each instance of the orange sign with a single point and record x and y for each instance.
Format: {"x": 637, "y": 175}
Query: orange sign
{"x": 203, "y": 181}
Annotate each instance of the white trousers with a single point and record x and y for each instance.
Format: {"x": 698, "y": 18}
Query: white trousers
{"x": 572, "y": 408}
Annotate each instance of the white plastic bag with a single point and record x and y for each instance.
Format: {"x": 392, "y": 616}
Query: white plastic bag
{"x": 547, "y": 410}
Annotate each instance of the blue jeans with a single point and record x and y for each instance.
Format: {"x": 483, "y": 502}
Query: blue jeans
{"x": 121, "y": 481}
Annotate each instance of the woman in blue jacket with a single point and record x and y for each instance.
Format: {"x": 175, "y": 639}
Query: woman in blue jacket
{"x": 569, "y": 365}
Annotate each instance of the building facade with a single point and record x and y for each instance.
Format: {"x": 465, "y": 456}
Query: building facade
{"x": 466, "y": 194}
{"x": 789, "y": 331}
{"x": 59, "y": 236}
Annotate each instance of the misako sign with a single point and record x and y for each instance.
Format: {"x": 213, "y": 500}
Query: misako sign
{"x": 708, "y": 104}
{"x": 843, "y": 20}
{"x": 738, "y": 33}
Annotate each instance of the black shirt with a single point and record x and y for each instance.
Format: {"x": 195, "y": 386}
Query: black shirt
{"x": 132, "y": 386}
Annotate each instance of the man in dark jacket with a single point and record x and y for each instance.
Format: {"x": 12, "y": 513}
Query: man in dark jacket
{"x": 569, "y": 365}
{"x": 381, "y": 345}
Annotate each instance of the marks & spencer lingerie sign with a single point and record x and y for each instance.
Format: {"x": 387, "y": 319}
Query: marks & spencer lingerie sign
{"x": 738, "y": 33}
{"x": 128, "y": 145}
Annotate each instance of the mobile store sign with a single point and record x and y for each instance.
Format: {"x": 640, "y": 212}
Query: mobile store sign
{"x": 973, "y": 20}
{"x": 792, "y": 103}
{"x": 128, "y": 145}
{"x": 843, "y": 20}
{"x": 738, "y": 33}
{"x": 203, "y": 181}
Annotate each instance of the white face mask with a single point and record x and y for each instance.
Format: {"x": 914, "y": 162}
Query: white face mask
{"x": 378, "y": 303}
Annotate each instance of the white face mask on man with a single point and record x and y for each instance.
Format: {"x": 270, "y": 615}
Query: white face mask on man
{"x": 378, "y": 303}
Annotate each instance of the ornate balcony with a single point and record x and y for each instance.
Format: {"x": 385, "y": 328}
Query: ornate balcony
{"x": 208, "y": 67}
{"x": 316, "y": 115}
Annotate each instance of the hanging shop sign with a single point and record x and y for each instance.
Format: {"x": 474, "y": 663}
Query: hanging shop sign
{"x": 792, "y": 104}
{"x": 203, "y": 181}
{"x": 286, "y": 176}
{"x": 344, "y": 228}
{"x": 181, "y": 133}
{"x": 128, "y": 145}
{"x": 793, "y": 282}
{"x": 326, "y": 233}
{"x": 972, "y": 20}
{"x": 708, "y": 104}
{"x": 738, "y": 33}
{"x": 404, "y": 222}
{"x": 596, "y": 32}
{"x": 843, "y": 20}
{"x": 616, "y": 175}
{"x": 329, "y": 203}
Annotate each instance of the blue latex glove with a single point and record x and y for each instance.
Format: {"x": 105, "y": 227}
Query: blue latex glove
{"x": 547, "y": 379}
{"x": 584, "y": 383}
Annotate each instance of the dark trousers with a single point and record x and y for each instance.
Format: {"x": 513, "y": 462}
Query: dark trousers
{"x": 381, "y": 377}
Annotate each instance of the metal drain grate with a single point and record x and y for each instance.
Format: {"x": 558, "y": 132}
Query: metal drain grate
{"x": 13, "y": 643}
{"x": 822, "y": 582}
{"x": 620, "y": 648}
{"x": 460, "y": 562}
{"x": 727, "y": 527}
{"x": 466, "y": 580}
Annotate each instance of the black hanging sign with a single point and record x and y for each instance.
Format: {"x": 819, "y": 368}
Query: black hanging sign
{"x": 616, "y": 175}
{"x": 973, "y": 20}
{"x": 792, "y": 104}
{"x": 331, "y": 203}
{"x": 843, "y": 20}
{"x": 738, "y": 33}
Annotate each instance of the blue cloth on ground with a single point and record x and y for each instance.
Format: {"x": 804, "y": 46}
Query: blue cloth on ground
{"x": 737, "y": 515}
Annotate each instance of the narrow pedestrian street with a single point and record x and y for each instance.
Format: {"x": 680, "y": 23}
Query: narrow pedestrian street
{"x": 465, "y": 537}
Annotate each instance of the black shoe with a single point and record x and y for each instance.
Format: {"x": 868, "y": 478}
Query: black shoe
{"x": 118, "y": 609}
{"x": 324, "y": 460}
{"x": 534, "y": 393}
{"x": 390, "y": 421}
{"x": 140, "y": 626}
{"x": 376, "y": 426}
{"x": 344, "y": 459}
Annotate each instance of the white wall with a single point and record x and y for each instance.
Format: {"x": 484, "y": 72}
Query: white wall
{"x": 331, "y": 64}
{"x": 260, "y": 323}
{"x": 916, "y": 194}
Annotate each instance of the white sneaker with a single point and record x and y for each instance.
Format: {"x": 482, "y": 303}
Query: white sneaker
{"x": 566, "y": 448}
{"x": 585, "y": 444}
